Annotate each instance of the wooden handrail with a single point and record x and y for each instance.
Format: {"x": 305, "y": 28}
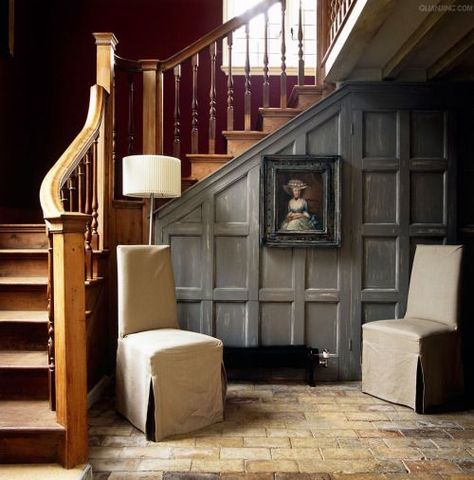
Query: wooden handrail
{"x": 216, "y": 34}
{"x": 50, "y": 191}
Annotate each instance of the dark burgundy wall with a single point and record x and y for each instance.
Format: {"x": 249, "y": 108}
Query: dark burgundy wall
{"x": 44, "y": 89}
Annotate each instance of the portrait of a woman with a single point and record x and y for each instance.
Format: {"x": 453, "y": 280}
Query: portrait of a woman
{"x": 298, "y": 216}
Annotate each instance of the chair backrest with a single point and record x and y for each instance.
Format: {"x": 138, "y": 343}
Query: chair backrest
{"x": 435, "y": 284}
{"x": 146, "y": 292}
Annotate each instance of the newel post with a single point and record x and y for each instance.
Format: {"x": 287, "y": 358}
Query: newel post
{"x": 70, "y": 333}
{"x": 105, "y": 44}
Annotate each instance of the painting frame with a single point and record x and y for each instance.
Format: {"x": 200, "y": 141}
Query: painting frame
{"x": 300, "y": 201}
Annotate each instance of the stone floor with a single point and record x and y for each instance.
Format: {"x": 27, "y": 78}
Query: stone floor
{"x": 285, "y": 432}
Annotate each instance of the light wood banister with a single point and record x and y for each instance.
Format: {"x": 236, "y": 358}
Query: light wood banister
{"x": 50, "y": 192}
{"x": 70, "y": 264}
{"x": 216, "y": 34}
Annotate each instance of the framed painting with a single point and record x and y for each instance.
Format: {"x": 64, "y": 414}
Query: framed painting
{"x": 300, "y": 201}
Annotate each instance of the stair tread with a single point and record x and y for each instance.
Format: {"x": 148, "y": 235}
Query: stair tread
{"x": 209, "y": 156}
{"x": 23, "y": 359}
{"x": 32, "y": 316}
{"x": 23, "y": 251}
{"x": 23, "y": 280}
{"x": 27, "y": 414}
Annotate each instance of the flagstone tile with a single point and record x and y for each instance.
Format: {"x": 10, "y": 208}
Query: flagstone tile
{"x": 218, "y": 466}
{"x": 431, "y": 466}
{"x": 271, "y": 466}
{"x": 246, "y": 453}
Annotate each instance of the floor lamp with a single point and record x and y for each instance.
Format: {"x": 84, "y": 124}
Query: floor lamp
{"x": 151, "y": 176}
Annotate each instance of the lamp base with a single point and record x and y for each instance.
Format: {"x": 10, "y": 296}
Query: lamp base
{"x": 150, "y": 230}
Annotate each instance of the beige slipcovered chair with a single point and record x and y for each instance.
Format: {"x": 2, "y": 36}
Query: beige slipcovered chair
{"x": 416, "y": 361}
{"x": 169, "y": 381}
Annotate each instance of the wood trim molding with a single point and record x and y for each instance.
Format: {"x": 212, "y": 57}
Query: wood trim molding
{"x": 424, "y": 30}
{"x": 450, "y": 58}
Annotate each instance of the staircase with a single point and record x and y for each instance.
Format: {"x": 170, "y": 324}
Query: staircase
{"x": 269, "y": 120}
{"x": 28, "y": 428}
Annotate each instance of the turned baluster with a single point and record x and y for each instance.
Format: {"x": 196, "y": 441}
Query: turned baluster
{"x": 131, "y": 129}
{"x": 177, "y": 113}
{"x": 266, "y": 82}
{"x": 95, "y": 203}
{"x": 248, "y": 83}
{"x": 300, "y": 46}
{"x": 230, "y": 86}
{"x": 88, "y": 211}
{"x": 212, "y": 100}
{"x": 194, "y": 106}
{"x": 64, "y": 197}
{"x": 283, "y": 57}
{"x": 80, "y": 186}
{"x": 51, "y": 359}
{"x": 71, "y": 186}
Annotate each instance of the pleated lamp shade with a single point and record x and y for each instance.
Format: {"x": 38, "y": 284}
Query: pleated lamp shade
{"x": 157, "y": 175}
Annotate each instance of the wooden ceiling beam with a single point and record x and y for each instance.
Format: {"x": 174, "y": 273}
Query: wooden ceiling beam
{"x": 451, "y": 57}
{"x": 424, "y": 30}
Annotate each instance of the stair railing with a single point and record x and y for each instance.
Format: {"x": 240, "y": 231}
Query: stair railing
{"x": 69, "y": 198}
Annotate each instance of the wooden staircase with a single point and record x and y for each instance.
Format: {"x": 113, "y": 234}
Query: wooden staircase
{"x": 29, "y": 431}
{"x": 269, "y": 120}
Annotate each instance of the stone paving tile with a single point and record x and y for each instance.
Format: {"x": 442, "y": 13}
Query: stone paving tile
{"x": 218, "y": 441}
{"x": 271, "y": 466}
{"x": 272, "y": 442}
{"x": 246, "y": 453}
{"x": 118, "y": 465}
{"x": 216, "y": 466}
{"x": 165, "y": 465}
{"x": 314, "y": 442}
{"x": 288, "y": 432}
{"x": 350, "y": 466}
{"x": 386, "y": 453}
{"x": 431, "y": 466}
{"x": 378, "y": 433}
{"x": 190, "y": 476}
{"x": 448, "y": 453}
{"x": 246, "y": 476}
{"x": 195, "y": 452}
{"x": 403, "y": 442}
{"x": 135, "y": 476}
{"x": 295, "y": 453}
{"x": 466, "y": 465}
{"x": 302, "y": 476}
{"x": 346, "y": 453}
{"x": 432, "y": 433}
{"x": 367, "y": 442}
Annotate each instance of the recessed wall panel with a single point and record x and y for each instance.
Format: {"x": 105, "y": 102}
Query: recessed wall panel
{"x": 378, "y": 311}
{"x": 324, "y": 139}
{"x": 276, "y": 268}
{"x": 231, "y": 321}
{"x": 427, "y": 134}
{"x": 231, "y": 203}
{"x": 380, "y": 197}
{"x": 231, "y": 262}
{"x": 321, "y": 268}
{"x": 380, "y": 134}
{"x": 276, "y": 321}
{"x": 427, "y": 197}
{"x": 186, "y": 257}
{"x": 321, "y": 325}
{"x": 189, "y": 316}
{"x": 380, "y": 262}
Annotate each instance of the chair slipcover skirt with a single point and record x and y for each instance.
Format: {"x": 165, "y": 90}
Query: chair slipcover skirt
{"x": 419, "y": 370}
{"x": 169, "y": 381}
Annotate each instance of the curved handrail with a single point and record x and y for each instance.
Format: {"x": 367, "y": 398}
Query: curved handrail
{"x": 216, "y": 34}
{"x": 50, "y": 191}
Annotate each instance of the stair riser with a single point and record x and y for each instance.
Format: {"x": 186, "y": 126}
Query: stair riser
{"x": 236, "y": 147}
{"x": 273, "y": 123}
{"x": 24, "y": 384}
{"x": 203, "y": 169}
{"x": 23, "y": 336}
{"x": 305, "y": 100}
{"x": 31, "y": 447}
{"x": 23, "y": 239}
{"x": 34, "y": 299}
{"x": 24, "y": 266}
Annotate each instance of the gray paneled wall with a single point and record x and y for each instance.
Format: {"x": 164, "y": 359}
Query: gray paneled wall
{"x": 398, "y": 175}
